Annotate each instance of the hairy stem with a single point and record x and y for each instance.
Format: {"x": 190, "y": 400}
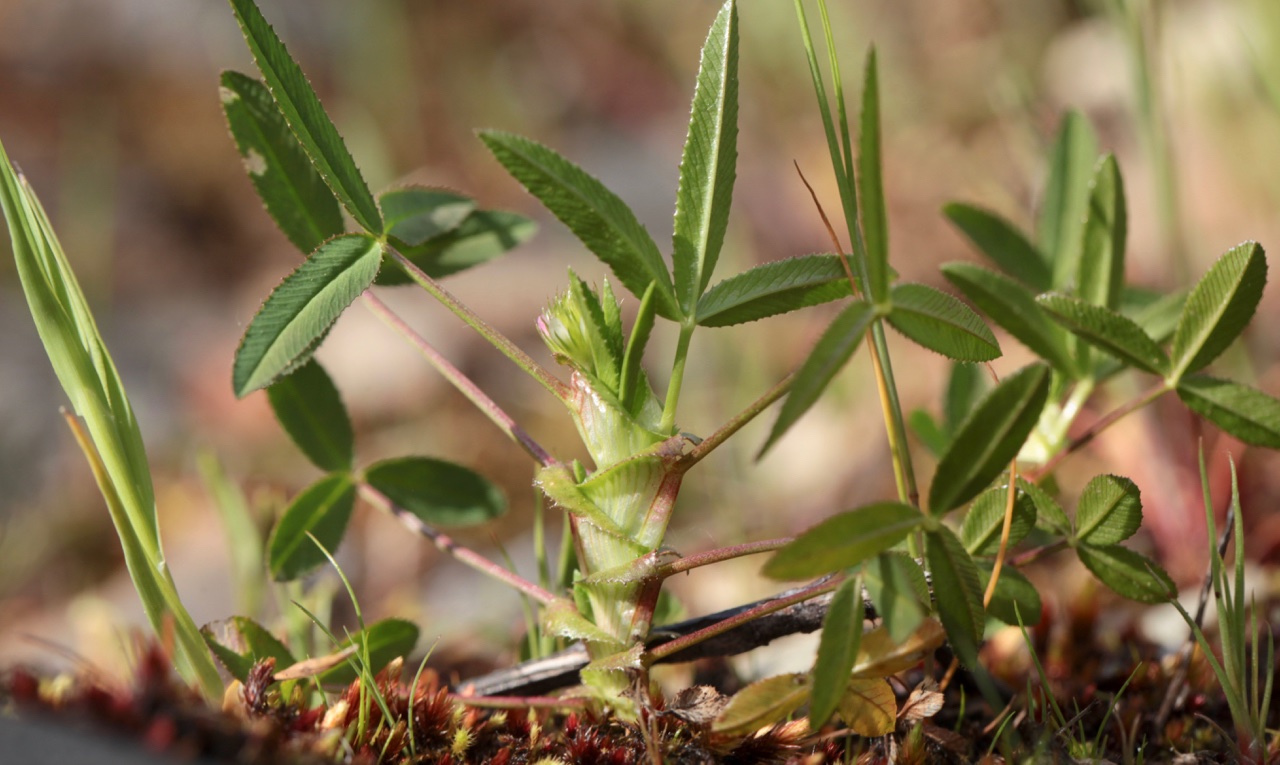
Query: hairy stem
{"x": 1106, "y": 421}
{"x": 668, "y": 422}
{"x": 709, "y": 444}
{"x": 721, "y": 554}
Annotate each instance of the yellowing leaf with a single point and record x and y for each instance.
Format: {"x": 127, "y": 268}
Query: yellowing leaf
{"x": 763, "y": 703}
{"x": 879, "y": 656}
{"x": 868, "y": 706}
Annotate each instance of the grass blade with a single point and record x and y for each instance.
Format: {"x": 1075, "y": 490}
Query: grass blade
{"x": 1066, "y": 195}
{"x": 1101, "y": 275}
{"x": 870, "y": 177}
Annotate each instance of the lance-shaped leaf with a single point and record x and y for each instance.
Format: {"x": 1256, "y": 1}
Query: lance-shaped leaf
{"x": 1049, "y": 514}
{"x": 833, "y": 349}
{"x": 483, "y": 236}
{"x": 415, "y": 214}
{"x": 1015, "y": 595}
{"x": 1066, "y": 197}
{"x": 870, "y": 177}
{"x": 957, "y": 592}
{"x": 294, "y": 193}
{"x": 1109, "y": 511}
{"x": 1005, "y": 245}
{"x": 1113, "y": 332}
{"x": 941, "y": 323}
{"x": 989, "y": 438}
{"x": 1219, "y": 307}
{"x": 309, "y": 408}
{"x": 240, "y": 642}
{"x": 307, "y": 118}
{"x": 844, "y": 540}
{"x": 773, "y": 288}
{"x": 596, "y": 215}
{"x": 634, "y": 384}
{"x": 300, "y": 311}
{"x": 1128, "y": 573}
{"x": 837, "y": 649}
{"x": 385, "y": 640}
{"x": 984, "y": 523}
{"x": 897, "y": 587}
{"x": 868, "y": 706}
{"x": 708, "y": 166}
{"x": 1101, "y": 275}
{"x": 1013, "y": 307}
{"x": 322, "y": 510}
{"x": 438, "y": 492}
{"x": 1246, "y": 413}
{"x": 763, "y": 703}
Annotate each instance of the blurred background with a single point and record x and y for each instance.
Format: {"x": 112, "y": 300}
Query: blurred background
{"x": 111, "y": 108}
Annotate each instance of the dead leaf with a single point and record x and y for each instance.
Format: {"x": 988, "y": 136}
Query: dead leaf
{"x": 924, "y": 702}
{"x": 868, "y": 706}
{"x": 313, "y": 667}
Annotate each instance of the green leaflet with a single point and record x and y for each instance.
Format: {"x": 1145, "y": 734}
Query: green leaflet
{"x": 844, "y": 540}
{"x": 1128, "y": 573}
{"x": 1101, "y": 275}
{"x": 386, "y": 640}
{"x": 897, "y": 587}
{"x": 483, "y": 236}
{"x": 308, "y": 406}
{"x": 870, "y": 179}
{"x": 837, "y": 650}
{"x": 1014, "y": 308}
{"x": 240, "y": 642}
{"x": 708, "y": 165}
{"x": 1113, "y": 332}
{"x": 1219, "y": 308}
{"x": 941, "y": 323}
{"x": 300, "y": 311}
{"x": 439, "y": 493}
{"x": 1003, "y": 244}
{"x": 1066, "y": 195}
{"x": 984, "y": 522}
{"x": 294, "y": 193}
{"x": 763, "y": 703}
{"x": 1246, "y": 413}
{"x": 1109, "y": 511}
{"x": 773, "y": 288}
{"x": 307, "y": 118}
{"x": 322, "y": 510}
{"x": 1049, "y": 514}
{"x": 957, "y": 592}
{"x": 1012, "y": 590}
{"x": 417, "y": 214}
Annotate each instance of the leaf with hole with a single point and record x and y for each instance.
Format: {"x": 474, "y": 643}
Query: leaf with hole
{"x": 1014, "y": 308}
{"x": 294, "y": 193}
{"x": 1219, "y": 307}
{"x": 310, "y": 410}
{"x": 322, "y": 510}
{"x": 385, "y": 640}
{"x": 773, "y": 288}
{"x": 437, "y": 492}
{"x": 306, "y": 117}
{"x": 1246, "y": 413}
{"x": 1101, "y": 275}
{"x": 897, "y": 587}
{"x": 483, "y": 236}
{"x": 844, "y": 540}
{"x": 301, "y": 310}
{"x": 1128, "y": 573}
{"x": 1012, "y": 589}
{"x": 240, "y": 642}
{"x": 984, "y": 523}
{"x": 1066, "y": 197}
{"x": 416, "y": 214}
{"x": 870, "y": 178}
{"x": 763, "y": 703}
{"x": 1104, "y": 328}
{"x": 989, "y": 438}
{"x": 1109, "y": 511}
{"x": 1003, "y": 244}
{"x": 941, "y": 323}
{"x": 867, "y": 706}
{"x": 837, "y": 649}
{"x": 957, "y": 592}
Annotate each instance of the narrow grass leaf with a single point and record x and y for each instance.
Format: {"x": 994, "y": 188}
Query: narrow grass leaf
{"x": 381, "y": 642}
{"x": 1101, "y": 275}
{"x": 897, "y": 587}
{"x": 837, "y": 649}
{"x": 240, "y": 642}
{"x": 1219, "y": 307}
{"x": 244, "y": 538}
{"x": 1128, "y": 573}
{"x": 941, "y": 323}
{"x": 596, "y": 215}
{"x": 868, "y": 706}
{"x": 305, "y": 115}
{"x": 1015, "y": 595}
{"x": 1109, "y": 511}
{"x": 322, "y": 510}
{"x": 1246, "y": 413}
{"x": 708, "y": 165}
{"x": 416, "y": 214}
{"x": 483, "y": 236}
{"x": 957, "y": 592}
{"x": 1104, "y": 328}
{"x": 300, "y": 311}
{"x": 773, "y": 288}
{"x": 1049, "y": 514}
{"x": 834, "y": 348}
{"x": 1014, "y": 308}
{"x": 763, "y": 703}
{"x": 844, "y": 540}
{"x": 989, "y": 438}
{"x": 1066, "y": 196}
{"x": 1003, "y": 244}
{"x": 310, "y": 410}
{"x": 928, "y": 431}
{"x": 440, "y": 493}
{"x": 984, "y": 523}
{"x": 870, "y": 178}
{"x": 295, "y": 195}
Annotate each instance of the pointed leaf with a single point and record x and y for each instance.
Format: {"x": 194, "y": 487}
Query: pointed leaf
{"x": 1246, "y": 413}
{"x": 941, "y": 323}
{"x": 773, "y": 288}
{"x": 1066, "y": 196}
{"x": 1014, "y": 308}
{"x": 989, "y": 438}
{"x": 1219, "y": 307}
{"x": 438, "y": 492}
{"x": 1049, "y": 514}
{"x": 844, "y": 540}
{"x": 483, "y": 236}
{"x": 996, "y": 238}
{"x": 300, "y": 311}
{"x": 240, "y": 642}
{"x": 323, "y": 511}
{"x": 309, "y": 408}
{"x": 1128, "y": 573}
{"x": 295, "y": 195}
{"x": 415, "y": 214}
{"x": 386, "y": 640}
{"x": 633, "y": 381}
{"x": 763, "y": 703}
{"x": 957, "y": 592}
{"x": 867, "y": 706}
{"x": 833, "y": 349}
{"x": 1101, "y": 275}
{"x": 984, "y": 523}
{"x": 307, "y": 118}
{"x": 870, "y": 177}
{"x": 897, "y": 587}
{"x": 1114, "y": 333}
{"x": 1015, "y": 595}
{"x": 1109, "y": 511}
{"x": 601, "y": 220}
{"x": 708, "y": 166}
{"x": 837, "y": 648}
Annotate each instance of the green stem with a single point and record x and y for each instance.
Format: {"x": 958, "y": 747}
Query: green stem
{"x": 1092, "y": 432}
{"x": 709, "y": 444}
{"x": 668, "y": 422}
{"x": 495, "y": 338}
